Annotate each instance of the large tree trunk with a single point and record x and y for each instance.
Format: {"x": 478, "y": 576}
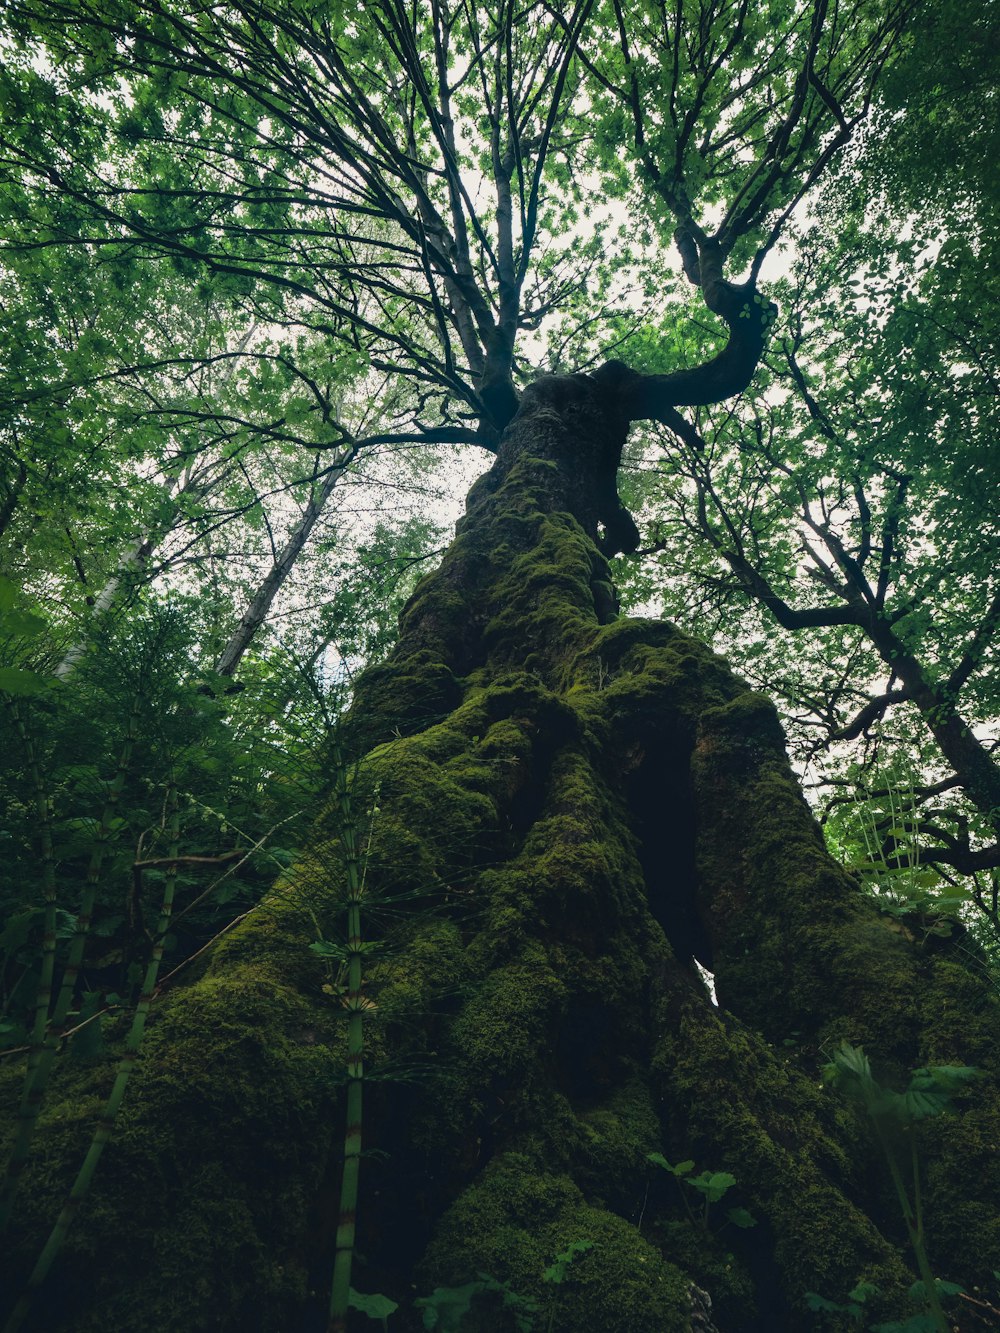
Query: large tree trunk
{"x": 571, "y": 807}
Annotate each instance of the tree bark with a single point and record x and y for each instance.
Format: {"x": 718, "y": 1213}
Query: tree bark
{"x": 263, "y": 599}
{"x": 567, "y": 809}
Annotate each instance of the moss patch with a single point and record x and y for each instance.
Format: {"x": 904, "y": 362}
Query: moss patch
{"x": 514, "y": 1221}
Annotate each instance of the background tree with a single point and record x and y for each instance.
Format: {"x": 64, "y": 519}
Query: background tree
{"x": 854, "y": 505}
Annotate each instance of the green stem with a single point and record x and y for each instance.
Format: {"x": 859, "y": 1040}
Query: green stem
{"x": 912, "y": 1216}
{"x": 102, "y": 1133}
{"x": 919, "y": 1249}
{"x": 40, "y": 1069}
{"x": 28, "y": 1111}
{"x": 102, "y": 839}
{"x": 340, "y": 1290}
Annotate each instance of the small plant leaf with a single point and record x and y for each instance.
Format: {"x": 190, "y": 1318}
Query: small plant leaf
{"x": 556, "y": 1272}
{"x": 375, "y": 1306}
{"x": 713, "y": 1184}
{"x": 17, "y": 680}
{"x": 740, "y": 1217}
{"x": 658, "y": 1159}
{"x": 820, "y": 1304}
{"x": 862, "y": 1291}
{"x": 446, "y": 1307}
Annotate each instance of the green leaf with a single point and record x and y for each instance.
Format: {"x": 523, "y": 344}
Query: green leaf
{"x": 23, "y": 623}
{"x": 740, "y": 1217}
{"x": 446, "y": 1307}
{"x": 681, "y": 1169}
{"x": 16, "y": 931}
{"x": 862, "y": 1292}
{"x": 17, "y": 680}
{"x": 375, "y": 1306}
{"x": 712, "y": 1184}
{"x": 556, "y": 1272}
{"x": 821, "y": 1305}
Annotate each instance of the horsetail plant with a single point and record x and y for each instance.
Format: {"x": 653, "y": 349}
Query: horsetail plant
{"x": 107, "y": 827}
{"x": 105, "y": 1125}
{"x": 28, "y": 1111}
{"x": 42, "y": 1055}
{"x": 354, "y": 1001}
{"x": 894, "y": 1115}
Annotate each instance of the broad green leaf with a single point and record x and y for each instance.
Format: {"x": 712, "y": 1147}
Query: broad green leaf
{"x": 446, "y": 1307}
{"x": 23, "y": 623}
{"x": 375, "y": 1306}
{"x": 20, "y": 681}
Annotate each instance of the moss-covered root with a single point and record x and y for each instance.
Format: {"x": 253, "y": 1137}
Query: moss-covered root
{"x": 200, "y": 1215}
{"x": 783, "y": 916}
{"x": 730, "y": 1102}
{"x": 513, "y": 1222}
{"x": 800, "y": 954}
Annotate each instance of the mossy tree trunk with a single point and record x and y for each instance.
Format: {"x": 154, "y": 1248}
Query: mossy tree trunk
{"x": 572, "y": 807}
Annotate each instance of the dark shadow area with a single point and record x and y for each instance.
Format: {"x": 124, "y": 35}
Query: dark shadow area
{"x": 661, "y": 802}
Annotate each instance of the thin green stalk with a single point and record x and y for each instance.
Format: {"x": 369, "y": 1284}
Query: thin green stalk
{"x": 102, "y": 839}
{"x": 346, "y": 1222}
{"x": 912, "y": 1216}
{"x": 28, "y": 1112}
{"x": 917, "y": 1242}
{"x": 105, "y": 1126}
{"x": 40, "y": 1069}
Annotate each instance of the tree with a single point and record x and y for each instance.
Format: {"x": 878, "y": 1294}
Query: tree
{"x": 854, "y": 504}
{"x": 549, "y": 812}
{"x": 877, "y": 453}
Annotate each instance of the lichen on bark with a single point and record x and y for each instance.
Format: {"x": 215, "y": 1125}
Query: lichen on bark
{"x": 573, "y": 807}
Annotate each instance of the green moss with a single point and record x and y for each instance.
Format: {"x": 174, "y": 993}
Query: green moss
{"x": 714, "y": 1268}
{"x": 399, "y": 697}
{"x": 219, "y": 1147}
{"x": 732, "y": 1104}
{"x": 612, "y": 1161}
{"x": 514, "y": 1221}
{"x": 544, "y": 599}
{"x": 543, "y": 784}
{"x": 502, "y": 1028}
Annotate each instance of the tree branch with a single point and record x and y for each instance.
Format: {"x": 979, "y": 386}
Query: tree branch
{"x": 873, "y": 711}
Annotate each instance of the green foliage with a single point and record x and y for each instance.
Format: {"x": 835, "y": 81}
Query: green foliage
{"x": 556, "y": 1271}
{"x": 931, "y": 1092}
{"x": 105, "y": 754}
{"x": 446, "y": 1307}
{"x": 711, "y": 1185}
{"x": 375, "y": 1306}
{"x": 853, "y": 1307}
{"x": 924, "y": 1321}
{"x": 243, "y": 305}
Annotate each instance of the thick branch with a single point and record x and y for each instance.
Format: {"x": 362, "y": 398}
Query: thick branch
{"x": 873, "y": 711}
{"x": 963, "y": 859}
{"x": 749, "y": 317}
{"x": 977, "y": 646}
